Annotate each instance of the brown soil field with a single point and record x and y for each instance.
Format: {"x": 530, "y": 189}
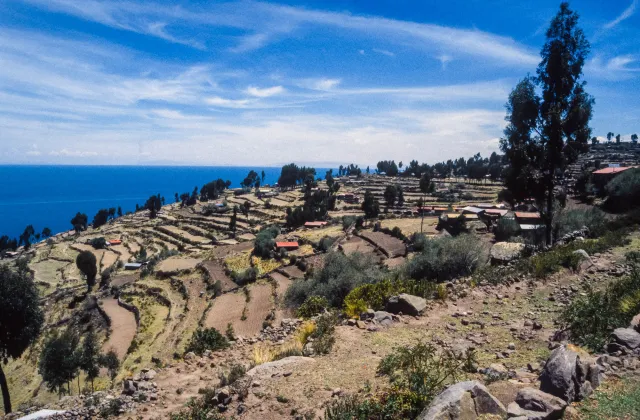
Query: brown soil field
{"x": 123, "y": 327}
{"x": 122, "y": 279}
{"x": 184, "y": 234}
{"x": 216, "y": 273}
{"x": 124, "y": 252}
{"x": 357, "y": 244}
{"x": 392, "y": 247}
{"x": 175, "y": 264}
{"x": 109, "y": 258}
{"x": 226, "y": 250}
{"x": 226, "y": 309}
{"x": 258, "y": 307}
{"x": 409, "y": 226}
{"x": 394, "y": 262}
{"x": 314, "y": 235}
{"x": 292, "y": 272}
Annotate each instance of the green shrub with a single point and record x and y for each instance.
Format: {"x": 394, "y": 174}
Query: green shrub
{"x": 571, "y": 220}
{"x": 312, "y": 306}
{"x": 419, "y": 241}
{"x": 98, "y": 243}
{"x": 236, "y": 372}
{"x": 505, "y": 229}
{"x": 339, "y": 275}
{"x": 265, "y": 242}
{"x": 591, "y": 318}
{"x": 247, "y": 276}
{"x": 623, "y": 191}
{"x": 230, "y": 333}
{"x": 446, "y": 258}
{"x": 324, "y": 335}
{"x": 325, "y": 243}
{"x": 347, "y": 222}
{"x": 206, "y": 339}
{"x": 353, "y": 407}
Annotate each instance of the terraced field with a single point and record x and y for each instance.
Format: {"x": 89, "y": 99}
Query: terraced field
{"x": 216, "y": 272}
{"x": 123, "y": 327}
{"x": 392, "y": 247}
{"x": 177, "y": 264}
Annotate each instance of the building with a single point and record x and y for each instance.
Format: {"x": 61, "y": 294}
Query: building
{"x": 472, "y": 210}
{"x": 495, "y": 214}
{"x": 132, "y": 266}
{"x": 528, "y": 218}
{"x": 114, "y": 242}
{"x": 602, "y": 176}
{"x": 314, "y": 224}
{"x": 287, "y": 245}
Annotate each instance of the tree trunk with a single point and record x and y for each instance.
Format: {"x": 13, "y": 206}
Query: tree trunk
{"x": 549, "y": 215}
{"x": 5, "y": 391}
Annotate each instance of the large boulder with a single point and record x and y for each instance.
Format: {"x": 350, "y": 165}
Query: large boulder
{"x": 463, "y": 401}
{"x": 535, "y": 404}
{"x": 505, "y": 252}
{"x": 407, "y": 304}
{"x": 566, "y": 376}
{"x": 583, "y": 259}
{"x": 627, "y": 337}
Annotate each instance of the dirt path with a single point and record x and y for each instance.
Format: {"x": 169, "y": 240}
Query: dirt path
{"x": 123, "y": 327}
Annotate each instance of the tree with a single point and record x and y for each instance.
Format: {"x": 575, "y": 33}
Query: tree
{"x": 177, "y": 198}
{"x": 234, "y": 220}
{"x": 426, "y": 186}
{"x": 110, "y": 361}
{"x": 21, "y": 320}
{"x": 60, "y": 360}
{"x": 246, "y": 206}
{"x": 609, "y": 136}
{"x": 390, "y": 195}
{"x": 80, "y": 222}
{"x": 90, "y": 357}
{"x": 154, "y": 204}
{"x": 27, "y": 236}
{"x": 594, "y": 141}
{"x": 262, "y": 176}
{"x": 546, "y": 133}
{"x": 100, "y": 218}
{"x": 370, "y": 205}
{"x": 618, "y": 139}
{"x": 46, "y": 232}
{"x": 250, "y": 179}
{"x": 86, "y": 263}
{"x": 400, "y": 198}
{"x": 634, "y": 138}
{"x": 119, "y": 211}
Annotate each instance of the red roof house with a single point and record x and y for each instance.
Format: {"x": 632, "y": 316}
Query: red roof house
{"x": 287, "y": 245}
{"x": 314, "y": 224}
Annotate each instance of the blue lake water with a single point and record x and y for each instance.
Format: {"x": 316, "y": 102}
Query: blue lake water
{"x": 49, "y": 196}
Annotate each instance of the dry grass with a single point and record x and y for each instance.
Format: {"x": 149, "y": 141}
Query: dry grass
{"x": 238, "y": 263}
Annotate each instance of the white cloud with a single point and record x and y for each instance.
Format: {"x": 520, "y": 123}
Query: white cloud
{"x": 72, "y": 153}
{"x": 626, "y": 14}
{"x": 323, "y": 84}
{"x": 384, "y": 52}
{"x": 444, "y": 60}
{"x": 615, "y": 68}
{"x": 227, "y": 103}
{"x": 264, "y": 92}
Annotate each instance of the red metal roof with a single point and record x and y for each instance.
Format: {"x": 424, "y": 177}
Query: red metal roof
{"x": 315, "y": 224}
{"x": 527, "y": 215}
{"x": 604, "y": 171}
{"x": 286, "y": 245}
{"x": 115, "y": 241}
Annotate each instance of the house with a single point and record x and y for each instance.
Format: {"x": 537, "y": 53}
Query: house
{"x": 287, "y": 245}
{"x": 528, "y": 218}
{"x": 472, "y": 210}
{"x": 349, "y": 198}
{"x": 132, "y": 266}
{"x": 487, "y": 206}
{"x": 314, "y": 224}
{"x": 495, "y": 213}
{"x": 114, "y": 242}
{"x": 469, "y": 216}
{"x": 602, "y": 176}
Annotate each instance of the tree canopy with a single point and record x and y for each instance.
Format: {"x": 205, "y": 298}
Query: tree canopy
{"x": 21, "y": 320}
{"x": 86, "y": 263}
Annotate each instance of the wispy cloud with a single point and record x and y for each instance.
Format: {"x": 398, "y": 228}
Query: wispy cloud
{"x": 615, "y": 68}
{"x": 264, "y": 92}
{"x": 263, "y": 23}
{"x": 323, "y": 84}
{"x": 626, "y": 14}
{"x": 384, "y": 52}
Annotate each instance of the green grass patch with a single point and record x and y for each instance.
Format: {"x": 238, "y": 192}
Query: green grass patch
{"x": 615, "y": 400}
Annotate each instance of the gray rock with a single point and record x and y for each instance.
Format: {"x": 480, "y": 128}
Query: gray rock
{"x": 559, "y": 375}
{"x": 545, "y": 405}
{"x": 505, "y": 252}
{"x": 407, "y": 304}
{"x": 627, "y": 337}
{"x": 461, "y": 401}
{"x": 383, "y": 318}
{"x": 149, "y": 375}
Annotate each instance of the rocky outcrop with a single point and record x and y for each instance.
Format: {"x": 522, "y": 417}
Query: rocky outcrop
{"x": 533, "y": 404}
{"x": 624, "y": 339}
{"x": 566, "y": 376}
{"x": 463, "y": 401}
{"x": 505, "y": 252}
{"x": 406, "y": 304}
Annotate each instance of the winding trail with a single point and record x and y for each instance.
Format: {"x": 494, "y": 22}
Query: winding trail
{"x": 123, "y": 327}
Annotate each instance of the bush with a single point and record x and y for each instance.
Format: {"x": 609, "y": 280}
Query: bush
{"x": 236, "y": 372}
{"x": 325, "y": 243}
{"x": 375, "y": 295}
{"x": 230, "y": 333}
{"x": 505, "y": 229}
{"x": 339, "y": 275}
{"x": 265, "y": 242}
{"x": 312, "y": 306}
{"x": 419, "y": 241}
{"x": 206, "y": 339}
{"x": 98, "y": 243}
{"x": 568, "y": 221}
{"x": 247, "y": 276}
{"x": 347, "y": 222}
{"x": 623, "y": 191}
{"x": 446, "y": 258}
{"x": 591, "y": 318}
{"x": 324, "y": 334}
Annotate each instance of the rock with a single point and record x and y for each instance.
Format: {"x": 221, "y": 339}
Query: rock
{"x": 128, "y": 387}
{"x": 189, "y": 356}
{"x": 383, "y": 318}
{"x": 511, "y": 346}
{"x": 635, "y": 323}
{"x": 368, "y": 314}
{"x": 464, "y": 400}
{"x": 505, "y": 252}
{"x": 361, "y": 324}
{"x": 149, "y": 375}
{"x": 585, "y": 261}
{"x": 407, "y": 304}
{"x": 545, "y": 405}
{"x": 626, "y": 337}
{"x": 564, "y": 375}
{"x": 498, "y": 367}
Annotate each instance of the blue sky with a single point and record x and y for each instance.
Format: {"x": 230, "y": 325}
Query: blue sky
{"x": 257, "y": 83}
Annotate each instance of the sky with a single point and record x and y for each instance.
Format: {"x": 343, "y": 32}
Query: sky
{"x": 199, "y": 82}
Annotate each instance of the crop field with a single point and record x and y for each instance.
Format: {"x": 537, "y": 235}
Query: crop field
{"x": 411, "y": 225}
{"x": 392, "y": 247}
